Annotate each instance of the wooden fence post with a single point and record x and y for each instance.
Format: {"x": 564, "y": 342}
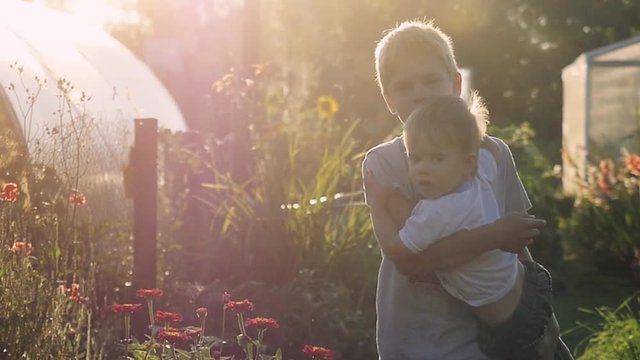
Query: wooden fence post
{"x": 144, "y": 181}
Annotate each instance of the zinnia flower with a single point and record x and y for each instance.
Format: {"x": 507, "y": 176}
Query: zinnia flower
{"x": 167, "y": 317}
{"x": 9, "y": 192}
{"x": 173, "y": 336}
{"x": 239, "y": 306}
{"x": 148, "y": 293}
{"x": 318, "y": 352}
{"x": 22, "y": 247}
{"x": 125, "y": 308}
{"x": 261, "y": 323}
{"x": 77, "y": 198}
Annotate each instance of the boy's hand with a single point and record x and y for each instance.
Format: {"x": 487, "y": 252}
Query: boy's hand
{"x": 377, "y": 193}
{"x": 515, "y": 231}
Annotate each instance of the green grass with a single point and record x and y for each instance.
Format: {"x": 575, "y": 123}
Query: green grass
{"x": 587, "y": 289}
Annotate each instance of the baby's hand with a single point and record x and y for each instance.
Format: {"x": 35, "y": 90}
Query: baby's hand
{"x": 376, "y": 192}
{"x": 517, "y": 231}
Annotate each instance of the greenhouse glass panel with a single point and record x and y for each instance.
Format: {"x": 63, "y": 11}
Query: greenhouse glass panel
{"x": 601, "y": 107}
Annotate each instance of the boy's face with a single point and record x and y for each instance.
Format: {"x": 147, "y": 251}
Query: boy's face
{"x": 437, "y": 170}
{"x": 416, "y": 79}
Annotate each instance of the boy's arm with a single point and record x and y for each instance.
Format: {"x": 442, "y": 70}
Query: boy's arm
{"x": 386, "y": 231}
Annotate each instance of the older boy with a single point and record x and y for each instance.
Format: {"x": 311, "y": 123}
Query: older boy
{"x": 418, "y": 319}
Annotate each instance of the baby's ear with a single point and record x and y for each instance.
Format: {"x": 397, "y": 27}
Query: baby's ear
{"x": 472, "y": 163}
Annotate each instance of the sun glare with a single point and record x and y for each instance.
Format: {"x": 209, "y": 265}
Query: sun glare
{"x": 102, "y": 13}
{"x": 96, "y": 12}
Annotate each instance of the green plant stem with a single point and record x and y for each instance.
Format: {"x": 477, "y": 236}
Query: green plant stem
{"x": 150, "y": 308}
{"x": 224, "y": 316}
{"x": 127, "y": 333}
{"x": 173, "y": 352}
{"x": 88, "y": 348}
{"x": 202, "y": 323}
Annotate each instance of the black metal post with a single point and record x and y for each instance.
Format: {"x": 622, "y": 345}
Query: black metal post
{"x": 144, "y": 159}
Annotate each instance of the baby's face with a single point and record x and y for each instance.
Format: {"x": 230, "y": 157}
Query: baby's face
{"x": 436, "y": 170}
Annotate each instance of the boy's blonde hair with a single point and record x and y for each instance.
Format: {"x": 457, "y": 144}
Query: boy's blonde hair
{"x": 448, "y": 120}
{"x": 410, "y": 39}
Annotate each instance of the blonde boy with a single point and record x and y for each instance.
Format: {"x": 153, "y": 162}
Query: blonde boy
{"x": 453, "y": 179}
{"x": 418, "y": 319}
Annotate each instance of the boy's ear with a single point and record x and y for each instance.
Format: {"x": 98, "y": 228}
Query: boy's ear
{"x": 390, "y": 105}
{"x": 457, "y": 83}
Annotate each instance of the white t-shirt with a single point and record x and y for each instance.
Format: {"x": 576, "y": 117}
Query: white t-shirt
{"x": 416, "y": 320}
{"x": 486, "y": 278}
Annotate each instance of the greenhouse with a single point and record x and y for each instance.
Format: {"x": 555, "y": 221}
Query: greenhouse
{"x": 70, "y": 88}
{"x": 601, "y": 106}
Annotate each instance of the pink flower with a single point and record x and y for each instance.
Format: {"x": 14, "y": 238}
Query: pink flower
{"x": 22, "y": 247}
{"x": 201, "y": 312}
{"x": 633, "y": 164}
{"x": 9, "y": 192}
{"x": 77, "y": 198}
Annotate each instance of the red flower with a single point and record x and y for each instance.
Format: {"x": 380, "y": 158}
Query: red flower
{"x": 239, "y": 306}
{"x": 318, "y": 352}
{"x": 173, "y": 336}
{"x": 633, "y": 164}
{"x": 125, "y": 308}
{"x": 261, "y": 323}
{"x": 22, "y": 247}
{"x": 77, "y": 198}
{"x": 148, "y": 293}
{"x": 167, "y": 317}
{"x": 9, "y": 192}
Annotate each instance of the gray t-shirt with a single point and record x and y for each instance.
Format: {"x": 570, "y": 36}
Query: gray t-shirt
{"x": 421, "y": 321}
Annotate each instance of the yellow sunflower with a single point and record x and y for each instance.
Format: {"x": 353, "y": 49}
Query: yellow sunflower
{"x": 327, "y": 106}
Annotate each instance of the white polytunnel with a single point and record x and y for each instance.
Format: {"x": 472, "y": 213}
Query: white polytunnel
{"x": 40, "y": 44}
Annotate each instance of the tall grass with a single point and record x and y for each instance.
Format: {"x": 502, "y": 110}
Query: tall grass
{"x": 618, "y": 336}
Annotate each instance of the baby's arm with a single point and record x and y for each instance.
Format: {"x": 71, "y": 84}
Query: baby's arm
{"x": 390, "y": 210}
{"x": 510, "y": 233}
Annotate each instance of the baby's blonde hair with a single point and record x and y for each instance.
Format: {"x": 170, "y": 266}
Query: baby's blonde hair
{"x": 447, "y": 120}
{"x": 410, "y": 39}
